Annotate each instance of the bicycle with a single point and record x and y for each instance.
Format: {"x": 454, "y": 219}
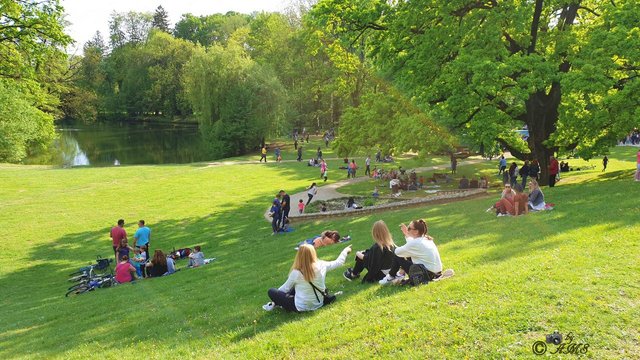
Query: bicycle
{"x": 100, "y": 281}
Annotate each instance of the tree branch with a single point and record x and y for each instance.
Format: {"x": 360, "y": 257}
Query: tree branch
{"x": 513, "y": 47}
{"x": 535, "y": 23}
{"x": 515, "y": 152}
{"x": 588, "y": 10}
{"x": 469, "y": 118}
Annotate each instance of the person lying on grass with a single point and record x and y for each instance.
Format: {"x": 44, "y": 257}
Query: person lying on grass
{"x": 377, "y": 259}
{"x": 327, "y": 237}
{"x": 419, "y": 249}
{"x": 297, "y": 293}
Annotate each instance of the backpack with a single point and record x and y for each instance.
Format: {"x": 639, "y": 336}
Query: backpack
{"x": 418, "y": 274}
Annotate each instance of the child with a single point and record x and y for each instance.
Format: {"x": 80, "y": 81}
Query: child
{"x": 196, "y": 258}
{"x": 138, "y": 260}
{"x": 301, "y": 206}
{"x": 376, "y": 193}
{"x": 123, "y": 249}
{"x": 323, "y": 208}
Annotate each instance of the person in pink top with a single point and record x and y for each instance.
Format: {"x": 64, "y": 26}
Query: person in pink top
{"x": 125, "y": 272}
{"x": 117, "y": 234}
{"x": 323, "y": 170}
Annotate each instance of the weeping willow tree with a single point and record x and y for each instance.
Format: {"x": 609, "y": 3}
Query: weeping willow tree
{"x": 237, "y": 102}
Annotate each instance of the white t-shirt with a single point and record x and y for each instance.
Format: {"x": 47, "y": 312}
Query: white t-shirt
{"x": 421, "y": 251}
{"x": 305, "y": 299}
{"x": 313, "y": 190}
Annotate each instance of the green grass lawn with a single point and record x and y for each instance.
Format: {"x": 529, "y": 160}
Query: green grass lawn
{"x": 573, "y": 269}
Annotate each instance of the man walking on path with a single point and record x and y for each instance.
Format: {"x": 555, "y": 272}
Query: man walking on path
{"x": 142, "y": 237}
{"x": 367, "y": 163}
{"x": 553, "y": 171}
{"x": 263, "y": 154}
{"x": 117, "y": 234}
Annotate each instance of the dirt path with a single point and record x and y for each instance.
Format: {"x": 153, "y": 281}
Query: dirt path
{"x": 328, "y": 192}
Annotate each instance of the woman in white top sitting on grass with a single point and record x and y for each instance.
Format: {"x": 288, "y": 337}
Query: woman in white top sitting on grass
{"x": 297, "y": 294}
{"x": 419, "y": 249}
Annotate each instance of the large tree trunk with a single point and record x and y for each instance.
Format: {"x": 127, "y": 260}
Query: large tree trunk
{"x": 541, "y": 119}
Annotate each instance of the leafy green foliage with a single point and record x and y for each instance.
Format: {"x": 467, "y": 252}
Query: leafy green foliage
{"x": 235, "y": 100}
{"x": 22, "y": 125}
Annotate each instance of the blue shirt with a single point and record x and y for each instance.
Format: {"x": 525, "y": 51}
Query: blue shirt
{"x": 503, "y": 162}
{"x": 142, "y": 236}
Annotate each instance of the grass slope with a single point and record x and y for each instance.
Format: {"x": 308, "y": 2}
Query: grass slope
{"x": 573, "y": 269}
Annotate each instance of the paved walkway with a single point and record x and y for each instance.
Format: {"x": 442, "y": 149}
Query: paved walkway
{"x": 328, "y": 192}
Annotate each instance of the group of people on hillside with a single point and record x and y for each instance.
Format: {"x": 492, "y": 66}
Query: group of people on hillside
{"x": 385, "y": 263}
{"x": 513, "y": 201}
{"x": 140, "y": 265}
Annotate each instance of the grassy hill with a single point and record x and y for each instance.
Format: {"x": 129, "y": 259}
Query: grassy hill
{"x": 574, "y": 269}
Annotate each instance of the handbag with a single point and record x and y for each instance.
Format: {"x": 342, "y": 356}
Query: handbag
{"x": 327, "y": 297}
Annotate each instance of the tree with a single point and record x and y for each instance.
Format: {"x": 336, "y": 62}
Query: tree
{"x": 161, "y": 19}
{"x": 31, "y": 74}
{"x": 210, "y": 29}
{"x": 568, "y": 70}
{"x": 236, "y": 101}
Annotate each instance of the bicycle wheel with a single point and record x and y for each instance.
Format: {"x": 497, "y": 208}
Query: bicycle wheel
{"x": 79, "y": 285}
{"x": 77, "y": 291}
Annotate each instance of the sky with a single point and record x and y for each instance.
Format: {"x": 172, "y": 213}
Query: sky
{"x": 88, "y": 16}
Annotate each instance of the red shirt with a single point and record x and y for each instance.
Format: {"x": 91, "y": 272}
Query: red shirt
{"x": 123, "y": 272}
{"x": 553, "y": 167}
{"x": 117, "y": 234}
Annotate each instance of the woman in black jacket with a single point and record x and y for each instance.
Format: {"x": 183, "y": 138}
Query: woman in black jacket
{"x": 377, "y": 259}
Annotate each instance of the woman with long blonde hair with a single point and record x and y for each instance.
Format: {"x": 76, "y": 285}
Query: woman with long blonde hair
{"x": 377, "y": 259}
{"x": 298, "y": 293}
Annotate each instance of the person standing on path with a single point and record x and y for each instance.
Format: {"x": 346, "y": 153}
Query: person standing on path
{"x": 263, "y": 154}
{"x": 142, "y": 237}
{"x": 367, "y": 164}
{"x": 285, "y": 202}
{"x": 311, "y": 192}
{"x": 299, "y": 153}
{"x": 553, "y": 171}
{"x": 454, "y": 164}
{"x": 605, "y": 161}
{"x": 117, "y": 234}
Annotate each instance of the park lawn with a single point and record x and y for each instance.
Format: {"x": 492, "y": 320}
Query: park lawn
{"x": 572, "y": 269}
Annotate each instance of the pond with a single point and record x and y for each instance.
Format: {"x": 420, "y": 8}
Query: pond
{"x": 123, "y": 143}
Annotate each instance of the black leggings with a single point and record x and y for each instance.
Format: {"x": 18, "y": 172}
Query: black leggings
{"x": 308, "y": 201}
{"x": 281, "y": 298}
{"x": 400, "y": 262}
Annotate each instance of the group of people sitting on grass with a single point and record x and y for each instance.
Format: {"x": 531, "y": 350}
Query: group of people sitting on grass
{"x": 514, "y": 202}
{"x": 386, "y": 263}
{"x": 130, "y": 268}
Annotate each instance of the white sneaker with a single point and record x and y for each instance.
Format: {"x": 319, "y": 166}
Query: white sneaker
{"x": 388, "y": 279}
{"x": 269, "y": 306}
